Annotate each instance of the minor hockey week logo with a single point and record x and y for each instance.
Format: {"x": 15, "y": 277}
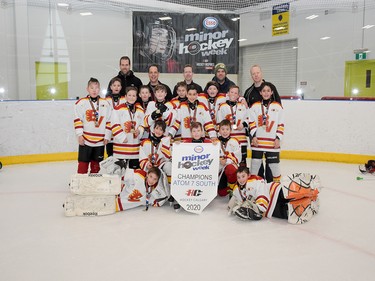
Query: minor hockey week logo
{"x": 206, "y": 43}
{"x": 196, "y": 161}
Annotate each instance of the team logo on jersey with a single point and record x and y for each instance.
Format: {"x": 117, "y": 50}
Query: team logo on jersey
{"x": 135, "y": 196}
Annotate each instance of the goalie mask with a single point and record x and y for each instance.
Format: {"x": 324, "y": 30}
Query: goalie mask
{"x": 157, "y": 42}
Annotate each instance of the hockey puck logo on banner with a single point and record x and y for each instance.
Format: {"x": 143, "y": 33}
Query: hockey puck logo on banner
{"x": 194, "y": 48}
{"x": 210, "y": 22}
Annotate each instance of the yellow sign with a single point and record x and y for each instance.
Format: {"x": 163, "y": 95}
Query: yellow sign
{"x": 280, "y": 19}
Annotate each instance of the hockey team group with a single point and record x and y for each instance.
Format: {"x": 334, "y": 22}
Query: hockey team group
{"x": 138, "y": 127}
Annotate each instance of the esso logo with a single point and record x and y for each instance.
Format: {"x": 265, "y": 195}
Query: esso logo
{"x": 198, "y": 149}
{"x": 210, "y": 22}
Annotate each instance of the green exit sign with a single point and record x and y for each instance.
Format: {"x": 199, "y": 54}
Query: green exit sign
{"x": 360, "y": 56}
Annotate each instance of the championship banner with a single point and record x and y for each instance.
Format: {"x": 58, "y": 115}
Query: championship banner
{"x": 280, "y": 19}
{"x": 173, "y": 40}
{"x": 195, "y": 169}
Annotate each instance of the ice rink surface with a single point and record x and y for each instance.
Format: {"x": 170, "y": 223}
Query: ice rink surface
{"x": 37, "y": 242}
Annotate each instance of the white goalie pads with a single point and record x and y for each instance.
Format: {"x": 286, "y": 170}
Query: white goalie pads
{"x": 94, "y": 184}
{"x": 89, "y": 205}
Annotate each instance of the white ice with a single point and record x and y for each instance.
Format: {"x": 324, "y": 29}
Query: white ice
{"x": 37, "y": 242}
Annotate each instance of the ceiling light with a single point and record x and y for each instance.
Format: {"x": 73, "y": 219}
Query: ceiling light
{"x": 236, "y": 19}
{"x": 295, "y": 47}
{"x": 368, "y": 26}
{"x": 165, "y": 18}
{"x": 325, "y": 38}
{"x": 243, "y": 39}
{"x": 86, "y": 14}
{"x": 191, "y": 29}
{"x": 63, "y": 4}
{"x": 312, "y": 17}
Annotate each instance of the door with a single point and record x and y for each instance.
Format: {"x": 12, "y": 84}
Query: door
{"x": 360, "y": 78}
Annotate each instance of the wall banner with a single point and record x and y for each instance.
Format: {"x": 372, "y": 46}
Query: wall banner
{"x": 280, "y": 19}
{"x": 194, "y": 180}
{"x": 173, "y": 40}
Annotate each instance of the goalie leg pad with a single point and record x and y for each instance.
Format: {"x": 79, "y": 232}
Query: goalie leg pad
{"x": 89, "y": 205}
{"x": 302, "y": 210}
{"x": 300, "y": 185}
{"x": 91, "y": 184}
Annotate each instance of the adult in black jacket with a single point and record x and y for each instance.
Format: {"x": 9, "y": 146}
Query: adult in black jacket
{"x": 126, "y": 76}
{"x": 252, "y": 95}
{"x": 153, "y": 75}
{"x": 188, "y": 78}
{"x": 221, "y": 78}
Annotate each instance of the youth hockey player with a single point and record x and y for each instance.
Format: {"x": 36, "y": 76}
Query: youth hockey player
{"x": 92, "y": 127}
{"x": 114, "y": 98}
{"x": 267, "y": 130}
{"x": 197, "y": 134}
{"x": 212, "y": 99}
{"x": 98, "y": 199}
{"x": 236, "y": 112}
{"x": 142, "y": 189}
{"x": 295, "y": 198}
{"x": 192, "y": 111}
{"x": 159, "y": 109}
{"x": 156, "y": 150}
{"x": 230, "y": 155}
{"x": 181, "y": 91}
{"x": 127, "y": 130}
{"x": 144, "y": 96}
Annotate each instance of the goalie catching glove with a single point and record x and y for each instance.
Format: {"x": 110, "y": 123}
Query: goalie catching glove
{"x": 249, "y": 210}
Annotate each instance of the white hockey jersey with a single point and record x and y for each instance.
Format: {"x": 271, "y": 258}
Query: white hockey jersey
{"x": 136, "y": 192}
{"x": 266, "y": 124}
{"x": 236, "y": 115}
{"x": 185, "y": 116}
{"x": 92, "y": 121}
{"x": 156, "y": 155}
{"x": 124, "y": 123}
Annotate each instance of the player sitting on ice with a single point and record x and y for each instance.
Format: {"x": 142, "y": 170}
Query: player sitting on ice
{"x": 102, "y": 195}
{"x": 143, "y": 189}
{"x": 294, "y": 199}
{"x": 368, "y": 168}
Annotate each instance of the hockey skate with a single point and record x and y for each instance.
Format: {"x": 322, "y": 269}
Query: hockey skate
{"x": 91, "y": 184}
{"x": 368, "y": 168}
{"x": 89, "y": 205}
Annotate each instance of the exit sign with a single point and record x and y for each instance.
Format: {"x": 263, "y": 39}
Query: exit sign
{"x": 360, "y": 56}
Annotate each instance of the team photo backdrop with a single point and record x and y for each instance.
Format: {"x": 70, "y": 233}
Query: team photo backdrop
{"x": 173, "y": 40}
